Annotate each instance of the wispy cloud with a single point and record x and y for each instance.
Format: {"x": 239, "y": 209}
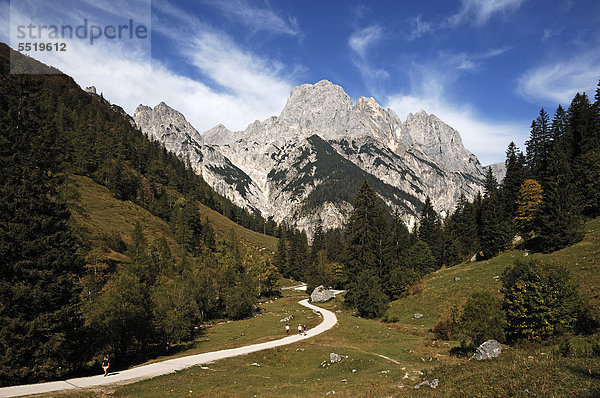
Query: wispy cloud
{"x": 361, "y": 42}
{"x": 557, "y": 82}
{"x": 246, "y": 86}
{"x": 479, "y": 12}
{"x": 420, "y": 28}
{"x": 470, "y": 61}
{"x": 550, "y": 32}
{"x": 256, "y": 18}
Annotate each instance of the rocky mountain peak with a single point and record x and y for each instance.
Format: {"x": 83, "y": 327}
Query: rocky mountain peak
{"x": 164, "y": 120}
{"x": 323, "y": 107}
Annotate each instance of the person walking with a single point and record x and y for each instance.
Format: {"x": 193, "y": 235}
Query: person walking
{"x": 304, "y": 329}
{"x": 105, "y": 365}
{"x": 299, "y": 329}
{"x": 287, "y": 328}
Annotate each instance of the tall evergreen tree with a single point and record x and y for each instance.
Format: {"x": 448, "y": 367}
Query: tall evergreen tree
{"x": 539, "y": 145}
{"x": 367, "y": 245}
{"x": 38, "y": 298}
{"x": 559, "y": 223}
{"x": 496, "y": 229}
{"x": 515, "y": 175}
{"x": 430, "y": 229}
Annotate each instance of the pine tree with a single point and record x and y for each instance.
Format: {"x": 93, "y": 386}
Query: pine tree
{"x": 581, "y": 123}
{"x": 515, "y": 175}
{"x": 430, "y": 229}
{"x": 39, "y": 309}
{"x": 539, "y": 145}
{"x": 368, "y": 243}
{"x": 559, "y": 223}
{"x": 496, "y": 230}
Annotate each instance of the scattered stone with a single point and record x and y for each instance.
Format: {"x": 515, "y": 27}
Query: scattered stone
{"x": 418, "y": 316}
{"x": 204, "y": 367}
{"x": 321, "y": 294}
{"x": 526, "y": 254}
{"x": 333, "y": 357}
{"x": 456, "y": 279}
{"x": 487, "y": 350}
{"x": 530, "y": 357}
{"x": 344, "y": 381}
{"x": 330, "y": 392}
{"x": 300, "y": 349}
{"x": 385, "y": 371}
{"x": 287, "y": 318}
{"x": 429, "y": 383}
{"x": 353, "y": 370}
{"x": 255, "y": 364}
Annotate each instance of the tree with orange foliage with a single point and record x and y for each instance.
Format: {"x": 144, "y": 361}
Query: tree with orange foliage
{"x": 528, "y": 204}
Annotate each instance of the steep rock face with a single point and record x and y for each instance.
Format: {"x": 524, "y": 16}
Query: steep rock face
{"x": 169, "y": 127}
{"x": 308, "y": 162}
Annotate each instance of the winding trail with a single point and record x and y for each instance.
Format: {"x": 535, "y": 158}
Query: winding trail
{"x": 170, "y": 365}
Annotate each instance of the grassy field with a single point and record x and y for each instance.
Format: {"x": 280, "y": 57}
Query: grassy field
{"x": 438, "y": 292}
{"x": 389, "y": 359}
{"x": 96, "y": 212}
{"x": 248, "y": 238}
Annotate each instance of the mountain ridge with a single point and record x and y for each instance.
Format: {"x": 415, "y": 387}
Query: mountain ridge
{"x": 255, "y": 167}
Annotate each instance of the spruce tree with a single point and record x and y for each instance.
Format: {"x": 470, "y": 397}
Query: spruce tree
{"x": 515, "y": 175}
{"x": 559, "y": 223}
{"x": 367, "y": 245}
{"x": 430, "y": 229}
{"x": 39, "y": 309}
{"x": 496, "y": 228}
{"x": 539, "y": 145}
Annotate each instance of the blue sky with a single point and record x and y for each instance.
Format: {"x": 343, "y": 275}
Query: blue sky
{"x": 483, "y": 66}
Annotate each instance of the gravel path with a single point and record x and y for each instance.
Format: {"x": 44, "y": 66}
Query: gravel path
{"x": 170, "y": 365}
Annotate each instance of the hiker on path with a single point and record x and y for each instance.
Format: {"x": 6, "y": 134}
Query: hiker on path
{"x": 299, "y": 329}
{"x": 287, "y": 328}
{"x": 304, "y": 329}
{"x": 105, "y": 365}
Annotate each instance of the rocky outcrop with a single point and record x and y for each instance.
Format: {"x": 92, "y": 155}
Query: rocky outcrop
{"x": 428, "y": 383}
{"x": 307, "y": 163}
{"x": 487, "y": 350}
{"x": 321, "y": 294}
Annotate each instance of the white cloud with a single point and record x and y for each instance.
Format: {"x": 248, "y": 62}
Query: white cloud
{"x": 361, "y": 40}
{"x": 559, "y": 81}
{"x": 478, "y": 12}
{"x": 257, "y": 19}
{"x": 247, "y": 86}
{"x": 420, "y": 28}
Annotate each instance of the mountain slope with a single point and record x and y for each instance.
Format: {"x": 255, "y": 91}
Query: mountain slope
{"x": 97, "y": 213}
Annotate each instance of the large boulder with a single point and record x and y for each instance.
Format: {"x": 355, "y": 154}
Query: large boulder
{"x": 487, "y": 350}
{"x": 321, "y": 294}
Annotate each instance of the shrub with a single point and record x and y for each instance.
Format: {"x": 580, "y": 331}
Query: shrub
{"x": 445, "y": 329}
{"x": 482, "y": 319}
{"x": 539, "y": 301}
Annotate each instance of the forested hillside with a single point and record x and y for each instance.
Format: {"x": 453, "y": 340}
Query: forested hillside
{"x": 106, "y": 241}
